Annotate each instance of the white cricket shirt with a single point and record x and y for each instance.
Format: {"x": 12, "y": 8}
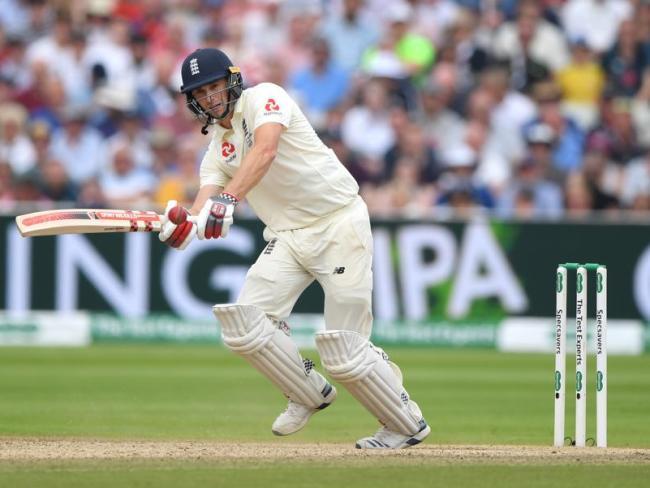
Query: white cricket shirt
{"x": 305, "y": 182}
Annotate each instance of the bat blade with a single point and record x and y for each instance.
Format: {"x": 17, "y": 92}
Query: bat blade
{"x": 87, "y": 221}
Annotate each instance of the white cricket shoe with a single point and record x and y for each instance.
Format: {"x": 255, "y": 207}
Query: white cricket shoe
{"x": 387, "y": 439}
{"x": 296, "y": 415}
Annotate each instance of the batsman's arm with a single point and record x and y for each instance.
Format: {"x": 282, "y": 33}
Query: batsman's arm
{"x": 215, "y": 215}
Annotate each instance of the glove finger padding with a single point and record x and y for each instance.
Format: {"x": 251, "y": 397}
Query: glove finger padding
{"x": 182, "y": 235}
{"x": 168, "y": 227}
{"x": 215, "y": 218}
{"x": 176, "y": 236}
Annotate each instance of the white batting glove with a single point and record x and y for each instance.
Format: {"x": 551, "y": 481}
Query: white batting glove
{"x": 176, "y": 231}
{"x": 215, "y": 218}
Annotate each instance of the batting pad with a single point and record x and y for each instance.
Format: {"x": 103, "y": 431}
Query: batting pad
{"x": 247, "y": 331}
{"x": 367, "y": 374}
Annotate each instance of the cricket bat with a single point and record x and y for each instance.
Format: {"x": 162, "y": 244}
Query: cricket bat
{"x": 87, "y": 221}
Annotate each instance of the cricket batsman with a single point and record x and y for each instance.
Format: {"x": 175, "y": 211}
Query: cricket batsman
{"x": 317, "y": 227}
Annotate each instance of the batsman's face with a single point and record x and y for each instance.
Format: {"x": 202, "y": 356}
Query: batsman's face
{"x": 212, "y": 97}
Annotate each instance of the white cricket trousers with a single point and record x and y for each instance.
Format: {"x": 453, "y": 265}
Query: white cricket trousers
{"x": 336, "y": 251}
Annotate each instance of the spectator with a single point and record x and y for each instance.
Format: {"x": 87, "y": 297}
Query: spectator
{"x": 404, "y": 193}
{"x": 411, "y": 144}
{"x": 78, "y": 147}
{"x": 469, "y": 53}
{"x": 145, "y": 76}
{"x": 40, "y": 135}
{"x": 582, "y": 83}
{"x": 541, "y": 143}
{"x": 577, "y": 196}
{"x": 366, "y": 127}
{"x": 459, "y": 189}
{"x": 181, "y": 181}
{"x": 39, "y": 15}
{"x": 294, "y": 53}
{"x": 32, "y": 95}
{"x": 145, "y": 72}
{"x": 350, "y": 34}
{"x": 75, "y": 77}
{"x": 15, "y": 73}
{"x": 618, "y": 130}
{"x": 6, "y": 89}
{"x": 531, "y": 38}
{"x": 442, "y": 126}
{"x": 321, "y": 86}
{"x": 434, "y": 18}
{"x": 67, "y": 47}
{"x": 6, "y": 185}
{"x": 14, "y": 18}
{"x": 175, "y": 117}
{"x": 480, "y": 104}
{"x": 53, "y": 103}
{"x": 54, "y": 182}
{"x": 91, "y": 195}
{"x": 640, "y": 111}
{"x": 625, "y": 61}
{"x": 603, "y": 176}
{"x": 510, "y": 111}
{"x": 15, "y": 147}
{"x": 636, "y": 183}
{"x": 131, "y": 132}
{"x": 123, "y": 183}
{"x": 164, "y": 150}
{"x": 642, "y": 20}
{"x": 55, "y": 45}
{"x": 494, "y": 169}
{"x": 531, "y": 194}
{"x": 264, "y": 27}
{"x": 109, "y": 53}
{"x": 230, "y": 39}
{"x": 415, "y": 53}
{"x": 111, "y": 103}
{"x": 446, "y": 75}
{"x": 27, "y": 190}
{"x": 570, "y": 139}
{"x": 364, "y": 170}
{"x": 595, "y": 21}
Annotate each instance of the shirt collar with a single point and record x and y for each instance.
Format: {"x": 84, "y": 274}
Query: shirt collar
{"x": 219, "y": 131}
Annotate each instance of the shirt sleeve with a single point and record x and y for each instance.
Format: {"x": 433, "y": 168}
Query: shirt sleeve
{"x": 210, "y": 173}
{"x": 271, "y": 103}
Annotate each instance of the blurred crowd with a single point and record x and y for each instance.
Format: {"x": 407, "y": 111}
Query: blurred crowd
{"x": 522, "y": 108}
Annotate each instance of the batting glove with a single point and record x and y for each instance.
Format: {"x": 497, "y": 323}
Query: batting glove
{"x": 176, "y": 231}
{"x": 215, "y": 218}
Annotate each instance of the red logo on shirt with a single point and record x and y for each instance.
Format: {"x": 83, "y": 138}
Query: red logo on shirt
{"x": 227, "y": 149}
{"x": 271, "y": 106}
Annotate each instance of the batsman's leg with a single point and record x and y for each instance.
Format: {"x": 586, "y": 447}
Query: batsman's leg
{"x": 368, "y": 375}
{"x": 346, "y": 352}
{"x": 253, "y": 329}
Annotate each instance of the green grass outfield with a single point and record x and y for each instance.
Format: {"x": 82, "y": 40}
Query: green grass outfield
{"x": 206, "y": 394}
